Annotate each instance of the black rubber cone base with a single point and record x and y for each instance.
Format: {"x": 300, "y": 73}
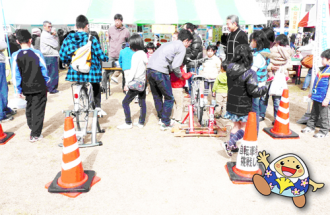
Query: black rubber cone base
{"x": 236, "y": 179}
{"x": 54, "y": 188}
{"x": 293, "y": 134}
{"x": 9, "y": 135}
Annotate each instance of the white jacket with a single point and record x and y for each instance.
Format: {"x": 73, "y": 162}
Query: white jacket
{"x": 48, "y": 44}
{"x": 211, "y": 68}
{"x": 138, "y": 67}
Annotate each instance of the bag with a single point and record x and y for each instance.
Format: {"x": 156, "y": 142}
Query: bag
{"x": 82, "y": 58}
{"x": 136, "y": 85}
{"x": 278, "y": 84}
{"x": 307, "y": 61}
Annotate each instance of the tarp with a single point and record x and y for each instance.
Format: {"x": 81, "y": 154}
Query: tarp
{"x": 35, "y": 12}
{"x": 309, "y": 19}
{"x": 199, "y": 12}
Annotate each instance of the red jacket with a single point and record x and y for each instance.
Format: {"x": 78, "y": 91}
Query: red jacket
{"x": 177, "y": 82}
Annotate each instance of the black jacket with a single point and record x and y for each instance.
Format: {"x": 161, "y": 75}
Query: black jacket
{"x": 235, "y": 39}
{"x": 194, "y": 51}
{"x": 242, "y": 87}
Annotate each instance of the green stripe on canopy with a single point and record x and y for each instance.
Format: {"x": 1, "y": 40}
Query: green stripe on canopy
{"x": 144, "y": 11}
{"x": 187, "y": 12}
{"x": 100, "y": 11}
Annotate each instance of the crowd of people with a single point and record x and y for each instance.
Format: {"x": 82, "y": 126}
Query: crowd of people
{"x": 255, "y": 68}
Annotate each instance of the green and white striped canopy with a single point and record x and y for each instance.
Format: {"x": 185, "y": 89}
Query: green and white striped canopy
{"x": 199, "y": 12}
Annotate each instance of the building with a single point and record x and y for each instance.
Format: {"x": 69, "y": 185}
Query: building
{"x": 271, "y": 8}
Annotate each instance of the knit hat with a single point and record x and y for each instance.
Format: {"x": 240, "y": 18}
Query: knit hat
{"x": 36, "y": 31}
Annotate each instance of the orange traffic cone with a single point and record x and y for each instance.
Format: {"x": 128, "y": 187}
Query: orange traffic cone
{"x": 246, "y": 165}
{"x": 5, "y": 136}
{"x": 72, "y": 180}
{"x": 281, "y": 128}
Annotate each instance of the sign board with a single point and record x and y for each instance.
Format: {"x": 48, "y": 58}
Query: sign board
{"x": 163, "y": 29}
{"x": 294, "y": 18}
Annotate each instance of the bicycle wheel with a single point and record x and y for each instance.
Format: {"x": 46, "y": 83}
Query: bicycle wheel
{"x": 91, "y": 102}
{"x": 199, "y": 108}
{"x": 83, "y": 109}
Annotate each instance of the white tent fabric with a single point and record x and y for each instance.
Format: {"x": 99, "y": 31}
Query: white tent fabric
{"x": 35, "y": 12}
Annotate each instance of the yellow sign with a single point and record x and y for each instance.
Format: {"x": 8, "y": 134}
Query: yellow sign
{"x": 294, "y": 18}
{"x": 163, "y": 29}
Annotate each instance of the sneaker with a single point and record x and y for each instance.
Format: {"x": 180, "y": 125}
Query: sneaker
{"x": 270, "y": 79}
{"x": 136, "y": 100}
{"x": 304, "y": 89}
{"x": 287, "y": 78}
{"x": 12, "y": 113}
{"x": 8, "y": 118}
{"x": 100, "y": 112}
{"x": 35, "y": 139}
{"x": 125, "y": 126}
{"x": 138, "y": 125}
{"x": 114, "y": 79}
{"x": 172, "y": 122}
{"x": 55, "y": 92}
{"x": 163, "y": 127}
{"x": 307, "y": 130}
{"x": 227, "y": 149}
{"x": 320, "y": 135}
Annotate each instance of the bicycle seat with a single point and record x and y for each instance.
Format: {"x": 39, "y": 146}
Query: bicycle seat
{"x": 199, "y": 78}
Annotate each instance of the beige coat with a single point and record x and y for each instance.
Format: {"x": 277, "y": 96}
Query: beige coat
{"x": 211, "y": 68}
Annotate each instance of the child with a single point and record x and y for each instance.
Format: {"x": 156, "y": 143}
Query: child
{"x": 137, "y": 72}
{"x": 280, "y": 56}
{"x": 321, "y": 97}
{"x": 242, "y": 87}
{"x": 150, "y": 50}
{"x": 6, "y": 113}
{"x": 125, "y": 58}
{"x": 259, "y": 43}
{"x": 211, "y": 69}
{"x": 30, "y": 79}
{"x": 177, "y": 89}
{"x": 220, "y": 90}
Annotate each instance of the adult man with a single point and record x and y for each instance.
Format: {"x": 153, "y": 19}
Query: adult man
{"x": 169, "y": 55}
{"x": 194, "y": 51}
{"x": 49, "y": 48}
{"x": 70, "y": 44}
{"x": 236, "y": 37}
{"x": 292, "y": 41}
{"x": 118, "y": 34}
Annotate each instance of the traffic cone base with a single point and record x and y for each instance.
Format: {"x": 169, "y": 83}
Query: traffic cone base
{"x": 53, "y": 186}
{"x": 6, "y": 137}
{"x": 291, "y": 135}
{"x": 239, "y": 176}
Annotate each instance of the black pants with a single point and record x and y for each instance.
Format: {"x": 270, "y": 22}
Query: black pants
{"x": 318, "y": 111}
{"x": 97, "y": 94}
{"x": 35, "y": 112}
{"x": 131, "y": 94}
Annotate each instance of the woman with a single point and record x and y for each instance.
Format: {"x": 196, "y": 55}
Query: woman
{"x": 307, "y": 50}
{"x": 36, "y": 32}
{"x": 242, "y": 87}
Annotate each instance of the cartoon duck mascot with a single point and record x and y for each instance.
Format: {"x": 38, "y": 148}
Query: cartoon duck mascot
{"x": 287, "y": 175}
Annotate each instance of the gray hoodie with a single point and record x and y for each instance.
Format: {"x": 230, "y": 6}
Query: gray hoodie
{"x": 3, "y": 47}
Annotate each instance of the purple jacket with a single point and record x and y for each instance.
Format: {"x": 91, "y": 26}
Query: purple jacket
{"x": 117, "y": 37}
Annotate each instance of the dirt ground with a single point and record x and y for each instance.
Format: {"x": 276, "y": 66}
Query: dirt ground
{"x": 148, "y": 171}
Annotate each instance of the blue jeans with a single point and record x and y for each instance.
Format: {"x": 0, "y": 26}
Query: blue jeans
{"x": 131, "y": 94}
{"x": 292, "y": 45}
{"x": 190, "y": 79}
{"x": 308, "y": 79}
{"x": 256, "y": 106}
{"x": 52, "y": 67}
{"x": 160, "y": 86}
{"x": 3, "y": 93}
{"x": 276, "y": 101}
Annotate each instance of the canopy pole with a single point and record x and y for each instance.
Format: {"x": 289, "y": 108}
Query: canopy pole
{"x": 4, "y": 21}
